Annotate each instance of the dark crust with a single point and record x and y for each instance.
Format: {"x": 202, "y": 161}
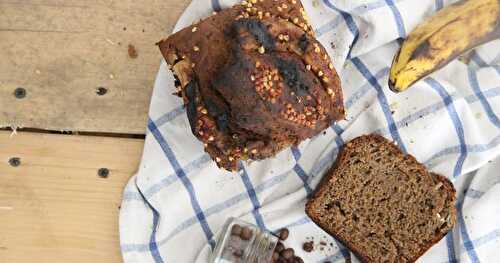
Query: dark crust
{"x": 219, "y": 56}
{"x": 343, "y": 155}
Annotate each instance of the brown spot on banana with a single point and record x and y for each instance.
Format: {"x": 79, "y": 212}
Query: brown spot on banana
{"x": 422, "y": 51}
{"x": 443, "y": 37}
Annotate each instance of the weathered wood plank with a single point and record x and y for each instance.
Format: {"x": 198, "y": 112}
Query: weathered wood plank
{"x": 54, "y": 207}
{"x": 60, "y": 51}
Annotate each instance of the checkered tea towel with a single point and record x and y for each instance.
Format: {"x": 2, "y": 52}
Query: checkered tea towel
{"x": 177, "y": 202}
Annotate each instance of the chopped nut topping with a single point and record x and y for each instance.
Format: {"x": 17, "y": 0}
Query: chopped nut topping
{"x": 194, "y": 29}
{"x": 262, "y": 50}
{"x": 330, "y": 66}
{"x": 196, "y": 48}
{"x": 268, "y": 83}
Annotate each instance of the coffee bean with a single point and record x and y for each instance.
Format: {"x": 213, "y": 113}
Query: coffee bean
{"x": 279, "y": 247}
{"x": 238, "y": 253}
{"x": 287, "y": 253}
{"x": 284, "y": 234}
{"x": 246, "y": 233}
{"x": 236, "y": 230}
{"x": 308, "y": 246}
{"x": 297, "y": 260}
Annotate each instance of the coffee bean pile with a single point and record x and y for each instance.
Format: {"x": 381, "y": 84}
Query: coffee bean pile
{"x": 282, "y": 254}
{"x": 238, "y": 241}
{"x": 245, "y": 233}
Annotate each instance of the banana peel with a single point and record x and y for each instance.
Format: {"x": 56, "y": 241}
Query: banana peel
{"x": 442, "y": 37}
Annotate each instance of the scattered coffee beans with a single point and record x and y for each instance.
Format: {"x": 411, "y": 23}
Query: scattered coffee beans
{"x": 287, "y": 253}
{"x": 282, "y": 254}
{"x": 308, "y": 246}
{"x": 284, "y": 234}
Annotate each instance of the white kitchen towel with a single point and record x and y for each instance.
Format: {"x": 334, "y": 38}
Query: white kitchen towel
{"x": 179, "y": 199}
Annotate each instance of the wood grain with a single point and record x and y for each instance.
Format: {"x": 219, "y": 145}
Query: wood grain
{"x": 54, "y": 207}
{"x": 61, "y": 51}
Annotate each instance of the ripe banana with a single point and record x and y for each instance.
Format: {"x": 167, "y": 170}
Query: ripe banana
{"x": 442, "y": 37}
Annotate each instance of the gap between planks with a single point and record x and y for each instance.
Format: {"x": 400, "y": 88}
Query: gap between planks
{"x": 62, "y": 51}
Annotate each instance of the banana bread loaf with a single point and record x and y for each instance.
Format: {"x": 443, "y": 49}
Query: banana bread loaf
{"x": 254, "y": 80}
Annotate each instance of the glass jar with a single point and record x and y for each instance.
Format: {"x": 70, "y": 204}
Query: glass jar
{"x": 242, "y": 242}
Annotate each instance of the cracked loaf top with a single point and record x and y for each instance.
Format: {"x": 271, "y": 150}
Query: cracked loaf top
{"x": 254, "y": 80}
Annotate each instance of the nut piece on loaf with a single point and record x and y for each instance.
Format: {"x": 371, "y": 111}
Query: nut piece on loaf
{"x": 383, "y": 204}
{"x": 254, "y": 80}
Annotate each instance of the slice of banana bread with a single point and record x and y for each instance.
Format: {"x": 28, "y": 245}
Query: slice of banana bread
{"x": 383, "y": 204}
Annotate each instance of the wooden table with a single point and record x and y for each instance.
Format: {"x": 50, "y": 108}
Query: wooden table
{"x": 75, "y": 82}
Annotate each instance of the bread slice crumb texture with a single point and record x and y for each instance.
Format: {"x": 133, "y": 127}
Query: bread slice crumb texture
{"x": 382, "y": 203}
